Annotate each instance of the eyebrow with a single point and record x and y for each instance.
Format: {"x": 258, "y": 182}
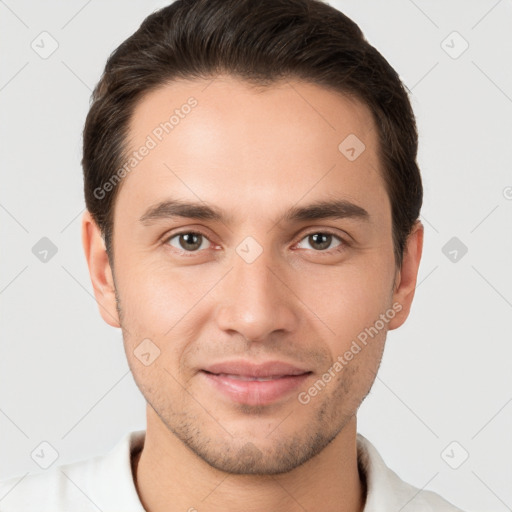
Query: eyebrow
{"x": 333, "y": 209}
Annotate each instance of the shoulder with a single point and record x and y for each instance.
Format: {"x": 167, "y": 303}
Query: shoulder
{"x": 387, "y": 491}
{"x": 66, "y": 486}
{"x": 100, "y": 483}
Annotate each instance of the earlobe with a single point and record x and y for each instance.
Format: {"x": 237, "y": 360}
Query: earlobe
{"x": 99, "y": 270}
{"x": 405, "y": 284}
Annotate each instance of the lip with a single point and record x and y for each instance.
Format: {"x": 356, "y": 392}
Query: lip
{"x": 237, "y": 380}
{"x": 248, "y": 369}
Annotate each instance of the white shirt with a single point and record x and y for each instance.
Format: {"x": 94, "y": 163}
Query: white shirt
{"x": 105, "y": 483}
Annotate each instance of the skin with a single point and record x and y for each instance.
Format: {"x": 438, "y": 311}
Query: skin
{"x": 254, "y": 153}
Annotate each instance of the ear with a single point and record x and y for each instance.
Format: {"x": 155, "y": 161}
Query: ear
{"x": 99, "y": 270}
{"x": 405, "y": 281}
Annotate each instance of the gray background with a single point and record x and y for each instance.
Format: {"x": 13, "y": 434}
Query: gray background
{"x": 446, "y": 373}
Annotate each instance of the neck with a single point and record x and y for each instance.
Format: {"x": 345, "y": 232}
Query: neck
{"x": 167, "y": 474}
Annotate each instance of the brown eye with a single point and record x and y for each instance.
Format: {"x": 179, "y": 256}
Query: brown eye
{"x": 189, "y": 241}
{"x": 320, "y": 241}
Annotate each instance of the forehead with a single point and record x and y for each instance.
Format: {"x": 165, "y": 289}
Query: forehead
{"x": 226, "y": 141}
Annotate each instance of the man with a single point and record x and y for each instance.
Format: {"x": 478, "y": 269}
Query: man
{"x": 252, "y": 227}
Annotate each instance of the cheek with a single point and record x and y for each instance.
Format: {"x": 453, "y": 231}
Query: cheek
{"x": 168, "y": 306}
{"x": 149, "y": 303}
{"x": 348, "y": 298}
{"x": 151, "y": 294}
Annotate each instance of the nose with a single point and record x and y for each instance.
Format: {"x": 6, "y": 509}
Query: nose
{"x": 256, "y": 299}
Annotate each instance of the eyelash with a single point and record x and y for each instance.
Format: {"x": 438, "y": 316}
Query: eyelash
{"x": 340, "y": 248}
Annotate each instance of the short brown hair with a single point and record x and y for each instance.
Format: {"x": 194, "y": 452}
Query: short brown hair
{"x": 260, "y": 41}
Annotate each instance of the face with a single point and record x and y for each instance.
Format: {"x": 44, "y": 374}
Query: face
{"x": 254, "y": 268}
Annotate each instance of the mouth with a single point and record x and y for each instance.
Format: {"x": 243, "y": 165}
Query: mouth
{"x": 262, "y": 384}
